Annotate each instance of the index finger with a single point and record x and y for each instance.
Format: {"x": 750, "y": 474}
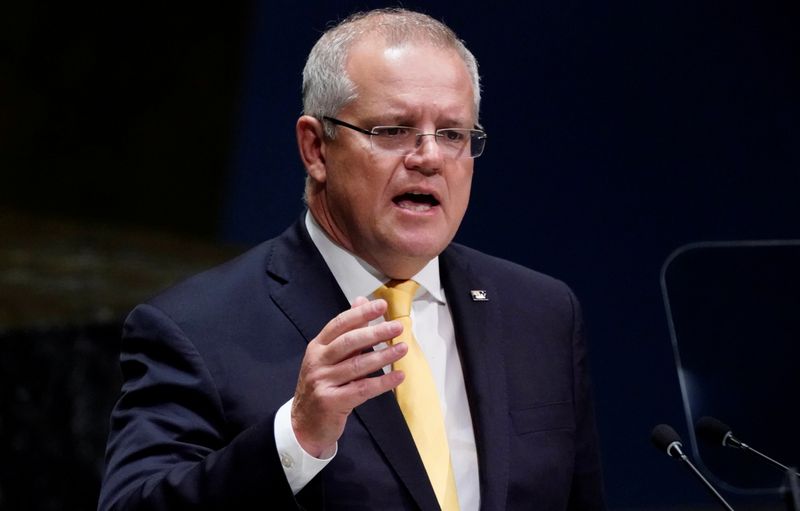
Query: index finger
{"x": 353, "y": 318}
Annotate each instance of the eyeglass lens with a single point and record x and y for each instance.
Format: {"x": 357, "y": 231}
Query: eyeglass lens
{"x": 454, "y": 142}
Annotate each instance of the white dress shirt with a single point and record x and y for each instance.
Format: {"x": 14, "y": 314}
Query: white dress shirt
{"x": 433, "y": 329}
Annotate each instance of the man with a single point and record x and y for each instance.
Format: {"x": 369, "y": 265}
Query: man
{"x": 274, "y": 382}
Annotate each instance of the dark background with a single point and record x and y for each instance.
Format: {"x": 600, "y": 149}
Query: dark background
{"x": 140, "y": 143}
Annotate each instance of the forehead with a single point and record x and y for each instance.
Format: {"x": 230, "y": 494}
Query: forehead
{"x": 412, "y": 80}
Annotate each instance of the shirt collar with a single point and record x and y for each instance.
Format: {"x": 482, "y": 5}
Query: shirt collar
{"x": 356, "y": 277}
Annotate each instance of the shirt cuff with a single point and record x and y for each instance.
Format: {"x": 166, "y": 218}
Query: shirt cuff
{"x": 299, "y": 466}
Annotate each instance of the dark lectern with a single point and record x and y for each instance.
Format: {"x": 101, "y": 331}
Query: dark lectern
{"x": 734, "y": 315}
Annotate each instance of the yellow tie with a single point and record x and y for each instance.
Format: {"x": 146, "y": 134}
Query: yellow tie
{"x": 418, "y": 398}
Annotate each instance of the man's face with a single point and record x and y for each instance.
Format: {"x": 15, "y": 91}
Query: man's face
{"x": 399, "y": 211}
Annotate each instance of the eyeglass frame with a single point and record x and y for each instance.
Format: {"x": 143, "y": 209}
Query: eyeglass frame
{"x": 481, "y": 134}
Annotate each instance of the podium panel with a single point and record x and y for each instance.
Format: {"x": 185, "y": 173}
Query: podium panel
{"x": 734, "y": 315}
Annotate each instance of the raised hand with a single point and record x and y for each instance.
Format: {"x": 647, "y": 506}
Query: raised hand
{"x": 334, "y": 375}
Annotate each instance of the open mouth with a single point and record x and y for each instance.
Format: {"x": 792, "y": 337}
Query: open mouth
{"x": 416, "y": 201}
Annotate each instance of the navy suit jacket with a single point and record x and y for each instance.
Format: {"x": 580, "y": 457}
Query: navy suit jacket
{"x": 207, "y": 364}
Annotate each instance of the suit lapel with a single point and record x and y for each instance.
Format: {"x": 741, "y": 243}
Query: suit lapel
{"x": 478, "y": 327}
{"x": 306, "y": 291}
{"x": 309, "y": 296}
{"x": 384, "y": 420}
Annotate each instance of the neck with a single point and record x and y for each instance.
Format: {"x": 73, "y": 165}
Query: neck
{"x": 397, "y": 267}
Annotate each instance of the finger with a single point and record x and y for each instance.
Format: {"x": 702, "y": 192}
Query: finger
{"x": 360, "y": 339}
{"x": 360, "y": 300}
{"x": 363, "y": 364}
{"x": 351, "y": 319}
{"x": 359, "y": 391}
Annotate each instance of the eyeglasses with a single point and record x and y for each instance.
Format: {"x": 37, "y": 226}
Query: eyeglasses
{"x": 453, "y": 142}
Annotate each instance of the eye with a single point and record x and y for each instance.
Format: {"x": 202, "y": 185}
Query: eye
{"x": 391, "y": 131}
{"x": 452, "y": 135}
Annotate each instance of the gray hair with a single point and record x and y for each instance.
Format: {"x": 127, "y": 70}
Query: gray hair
{"x": 326, "y": 86}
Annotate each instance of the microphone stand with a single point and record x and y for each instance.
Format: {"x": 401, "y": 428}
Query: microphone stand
{"x": 737, "y": 444}
{"x": 708, "y": 485}
{"x": 791, "y": 491}
{"x": 711, "y": 430}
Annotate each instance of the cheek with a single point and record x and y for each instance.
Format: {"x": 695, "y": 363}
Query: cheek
{"x": 363, "y": 181}
{"x": 346, "y": 184}
{"x": 460, "y": 190}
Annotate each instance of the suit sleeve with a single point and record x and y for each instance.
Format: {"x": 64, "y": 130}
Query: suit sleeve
{"x": 587, "y": 492}
{"x": 169, "y": 447}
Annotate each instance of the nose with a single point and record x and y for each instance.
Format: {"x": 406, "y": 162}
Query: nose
{"x": 427, "y": 155}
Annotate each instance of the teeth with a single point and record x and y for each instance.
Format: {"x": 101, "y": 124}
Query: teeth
{"x": 416, "y": 201}
{"x": 414, "y": 206}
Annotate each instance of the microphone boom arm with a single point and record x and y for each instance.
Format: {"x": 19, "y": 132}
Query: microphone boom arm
{"x": 708, "y": 485}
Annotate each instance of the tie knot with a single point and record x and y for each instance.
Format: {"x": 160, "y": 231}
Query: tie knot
{"x": 398, "y": 295}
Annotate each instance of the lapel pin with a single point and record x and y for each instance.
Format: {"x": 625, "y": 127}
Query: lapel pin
{"x": 479, "y": 295}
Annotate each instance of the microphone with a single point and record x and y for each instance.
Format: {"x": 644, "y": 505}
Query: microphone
{"x": 716, "y": 432}
{"x": 666, "y": 439}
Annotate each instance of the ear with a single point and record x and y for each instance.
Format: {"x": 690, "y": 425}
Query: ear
{"x": 311, "y": 143}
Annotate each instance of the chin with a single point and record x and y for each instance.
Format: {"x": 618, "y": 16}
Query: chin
{"x": 420, "y": 246}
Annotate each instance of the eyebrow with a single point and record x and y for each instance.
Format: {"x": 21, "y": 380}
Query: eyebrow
{"x": 458, "y": 123}
{"x": 405, "y": 120}
{"x": 390, "y": 119}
